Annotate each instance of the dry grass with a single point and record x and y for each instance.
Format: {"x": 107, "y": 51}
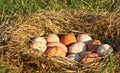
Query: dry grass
{"x": 17, "y": 32}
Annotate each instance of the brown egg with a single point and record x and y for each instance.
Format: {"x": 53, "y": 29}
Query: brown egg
{"x": 68, "y": 39}
{"x": 52, "y": 44}
{"x": 93, "y": 45}
{"x": 89, "y": 58}
{"x": 55, "y": 51}
{"x": 84, "y": 53}
{"x": 52, "y": 38}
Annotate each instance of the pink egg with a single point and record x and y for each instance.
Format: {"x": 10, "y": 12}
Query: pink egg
{"x": 77, "y": 48}
{"x": 84, "y": 38}
{"x": 52, "y": 44}
{"x": 52, "y": 38}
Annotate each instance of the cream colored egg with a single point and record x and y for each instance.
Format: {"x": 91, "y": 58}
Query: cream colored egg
{"x": 104, "y": 49}
{"x": 77, "y": 48}
{"x": 75, "y": 57}
{"x": 39, "y": 43}
{"x": 84, "y": 38}
{"x": 52, "y": 38}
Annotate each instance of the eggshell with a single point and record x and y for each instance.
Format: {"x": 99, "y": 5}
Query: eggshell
{"x": 93, "y": 45}
{"x": 55, "y": 51}
{"x": 75, "y": 57}
{"x": 68, "y": 39}
{"x": 89, "y": 58}
{"x": 84, "y": 38}
{"x": 104, "y": 49}
{"x": 52, "y": 38}
{"x": 39, "y": 43}
{"x": 52, "y": 44}
{"x": 77, "y": 48}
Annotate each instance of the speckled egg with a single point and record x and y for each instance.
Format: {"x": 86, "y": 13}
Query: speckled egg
{"x": 84, "y": 38}
{"x": 68, "y": 39}
{"x": 39, "y": 43}
{"x": 52, "y": 44}
{"x": 104, "y": 49}
{"x": 75, "y": 57}
{"x": 52, "y": 38}
{"x": 93, "y": 45}
{"x": 55, "y": 51}
{"x": 77, "y": 48}
{"x": 89, "y": 58}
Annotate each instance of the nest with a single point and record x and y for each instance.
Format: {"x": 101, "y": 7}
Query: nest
{"x": 17, "y": 32}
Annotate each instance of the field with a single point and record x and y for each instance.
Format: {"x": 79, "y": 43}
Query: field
{"x": 21, "y": 20}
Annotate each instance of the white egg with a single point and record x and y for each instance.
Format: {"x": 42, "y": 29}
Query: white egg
{"x": 75, "y": 57}
{"x": 104, "y": 49}
{"x": 39, "y": 43}
{"x": 39, "y": 39}
{"x": 77, "y": 48}
{"x": 84, "y": 38}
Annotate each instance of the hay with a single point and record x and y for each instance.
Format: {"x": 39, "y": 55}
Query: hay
{"x": 17, "y": 32}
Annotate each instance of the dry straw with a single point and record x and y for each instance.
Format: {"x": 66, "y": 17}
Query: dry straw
{"x": 17, "y": 32}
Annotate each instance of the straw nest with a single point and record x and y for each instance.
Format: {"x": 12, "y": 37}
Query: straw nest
{"x": 17, "y": 32}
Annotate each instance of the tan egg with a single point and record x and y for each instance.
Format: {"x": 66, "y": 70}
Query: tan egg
{"x": 52, "y": 38}
{"x": 55, "y": 51}
{"x": 39, "y": 43}
{"x": 89, "y": 58}
{"x": 75, "y": 57}
{"x": 52, "y": 44}
{"x": 104, "y": 49}
{"x": 93, "y": 45}
{"x": 84, "y": 38}
{"x": 68, "y": 39}
{"x": 77, "y": 48}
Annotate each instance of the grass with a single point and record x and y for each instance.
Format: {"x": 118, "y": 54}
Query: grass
{"x": 9, "y": 8}
{"x": 3, "y": 67}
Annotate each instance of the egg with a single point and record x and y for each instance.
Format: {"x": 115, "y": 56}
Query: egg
{"x": 77, "y": 48}
{"x": 55, "y": 51}
{"x": 52, "y": 38}
{"x": 84, "y": 38}
{"x": 90, "y": 57}
{"x": 39, "y": 43}
{"x": 52, "y": 44}
{"x": 93, "y": 45}
{"x": 39, "y": 39}
{"x": 104, "y": 49}
{"x": 84, "y": 53}
{"x": 75, "y": 57}
{"x": 68, "y": 39}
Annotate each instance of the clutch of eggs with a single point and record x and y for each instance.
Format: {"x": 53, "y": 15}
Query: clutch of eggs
{"x": 52, "y": 44}
{"x": 77, "y": 48}
{"x": 52, "y": 38}
{"x": 55, "y": 51}
{"x": 93, "y": 45}
{"x": 84, "y": 38}
{"x": 68, "y": 39}
{"x": 39, "y": 43}
{"x": 75, "y": 57}
{"x": 104, "y": 49}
